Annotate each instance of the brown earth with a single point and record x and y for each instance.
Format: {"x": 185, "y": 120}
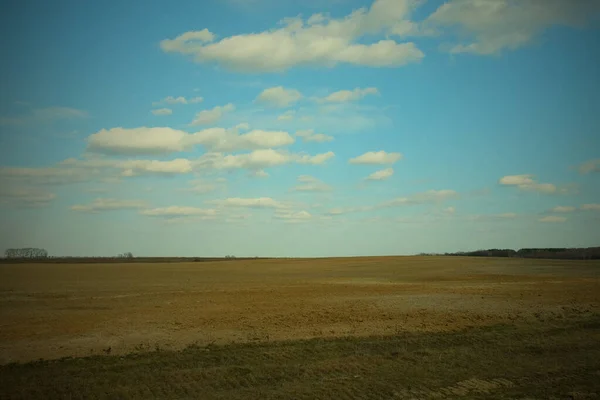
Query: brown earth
{"x": 55, "y": 310}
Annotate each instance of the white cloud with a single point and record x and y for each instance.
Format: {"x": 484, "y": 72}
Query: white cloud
{"x": 590, "y": 166}
{"x": 162, "y": 111}
{"x": 564, "y": 209}
{"x": 320, "y": 40}
{"x": 591, "y": 207}
{"x": 171, "y": 167}
{"x": 211, "y": 116}
{"x": 497, "y": 25}
{"x": 278, "y": 97}
{"x": 128, "y": 167}
{"x": 25, "y": 196}
{"x": 526, "y": 182}
{"x": 178, "y": 100}
{"x": 381, "y": 175}
{"x": 141, "y": 140}
{"x": 314, "y": 160}
{"x": 338, "y": 211}
{"x": 102, "y": 169}
{"x": 99, "y": 205}
{"x": 260, "y": 202}
{"x": 344, "y": 96}
{"x": 158, "y": 140}
{"x": 552, "y": 218}
{"x": 309, "y": 135}
{"x": 259, "y": 159}
{"x": 293, "y": 216}
{"x": 430, "y": 196}
{"x": 177, "y": 212}
{"x": 376, "y": 157}
{"x": 311, "y": 184}
{"x": 219, "y": 139}
{"x": 516, "y": 180}
{"x": 287, "y": 116}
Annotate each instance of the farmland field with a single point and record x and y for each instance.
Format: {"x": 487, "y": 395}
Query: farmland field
{"x": 368, "y": 327}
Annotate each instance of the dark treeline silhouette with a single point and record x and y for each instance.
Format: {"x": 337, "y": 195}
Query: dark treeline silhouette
{"x": 587, "y": 253}
{"x": 26, "y": 252}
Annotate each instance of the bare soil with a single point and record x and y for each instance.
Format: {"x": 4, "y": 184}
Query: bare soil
{"x": 51, "y": 311}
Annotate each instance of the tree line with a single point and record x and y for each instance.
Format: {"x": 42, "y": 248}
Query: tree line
{"x": 586, "y": 253}
{"x": 26, "y": 252}
{"x": 34, "y": 252}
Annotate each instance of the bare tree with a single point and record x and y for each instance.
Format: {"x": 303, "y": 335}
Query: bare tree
{"x": 125, "y": 255}
{"x": 26, "y": 252}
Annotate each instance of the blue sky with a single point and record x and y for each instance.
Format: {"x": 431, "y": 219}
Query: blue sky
{"x": 331, "y": 128}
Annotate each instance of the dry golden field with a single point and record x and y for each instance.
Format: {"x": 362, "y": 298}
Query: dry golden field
{"x": 51, "y": 311}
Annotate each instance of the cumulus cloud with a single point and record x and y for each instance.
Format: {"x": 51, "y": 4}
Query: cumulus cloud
{"x": 309, "y": 183}
{"x": 430, "y": 196}
{"x": 278, "y": 97}
{"x": 260, "y": 202}
{"x": 218, "y": 139}
{"x": 380, "y": 175}
{"x": 376, "y": 157}
{"x": 178, "y": 212}
{"x": 338, "y": 211}
{"x": 162, "y": 111}
{"x": 552, "y": 218}
{"x": 149, "y": 141}
{"x": 344, "y": 96}
{"x": 178, "y": 100}
{"x": 309, "y": 135}
{"x": 590, "y": 166}
{"x": 25, "y": 196}
{"x": 320, "y": 40}
{"x": 206, "y": 117}
{"x": 314, "y": 160}
{"x": 496, "y": 25}
{"x": 140, "y": 140}
{"x": 131, "y": 167}
{"x": 526, "y": 182}
{"x": 293, "y": 216}
{"x": 100, "y": 168}
{"x": 101, "y": 204}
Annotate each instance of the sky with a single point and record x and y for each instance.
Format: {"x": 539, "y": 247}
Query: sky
{"x": 308, "y": 128}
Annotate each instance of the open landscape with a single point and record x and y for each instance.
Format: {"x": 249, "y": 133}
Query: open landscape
{"x": 364, "y": 327}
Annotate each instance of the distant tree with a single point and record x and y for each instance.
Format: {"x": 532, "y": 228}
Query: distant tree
{"x": 26, "y": 252}
{"x": 125, "y": 255}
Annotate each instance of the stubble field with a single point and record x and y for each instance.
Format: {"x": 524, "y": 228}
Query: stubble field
{"x": 371, "y": 327}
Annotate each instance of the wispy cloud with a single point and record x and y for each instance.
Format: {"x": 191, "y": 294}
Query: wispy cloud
{"x": 107, "y": 204}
